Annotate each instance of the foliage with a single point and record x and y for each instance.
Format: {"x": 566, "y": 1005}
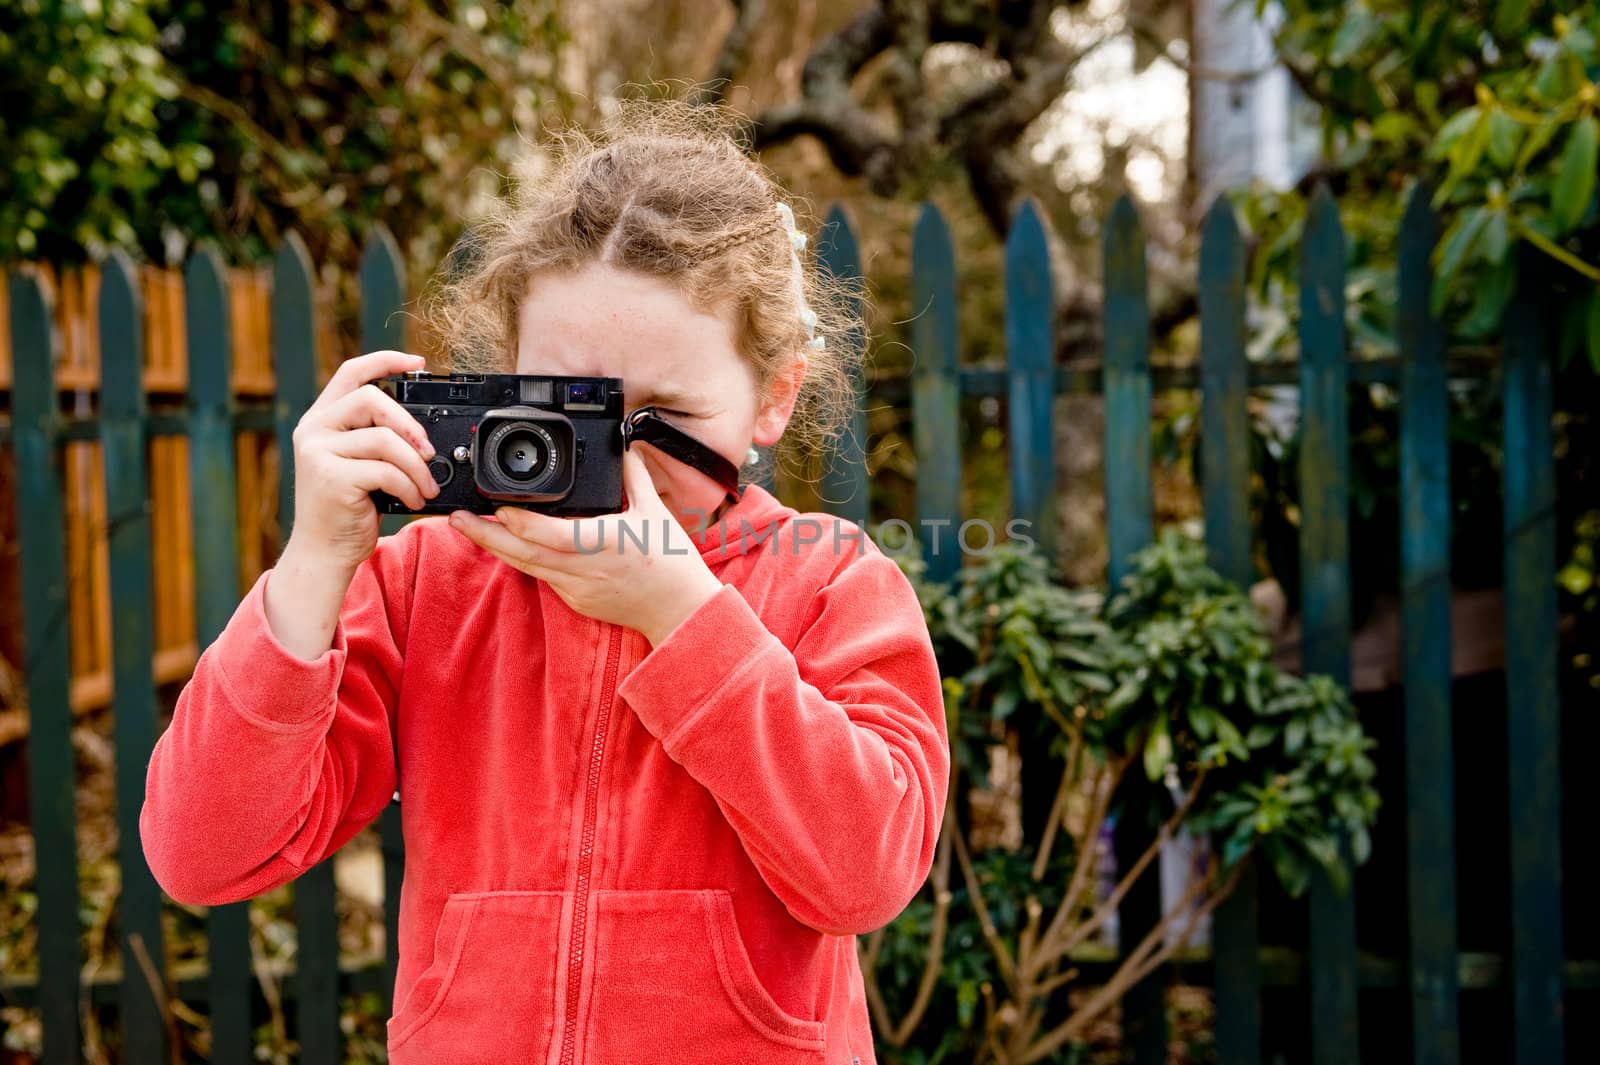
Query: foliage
{"x": 1497, "y": 113}
{"x": 1170, "y": 675}
{"x": 1496, "y": 108}
{"x": 1196, "y": 689}
{"x": 173, "y": 120}
{"x": 81, "y": 84}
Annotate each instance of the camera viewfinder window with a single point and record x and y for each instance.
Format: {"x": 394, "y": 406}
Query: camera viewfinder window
{"x": 586, "y": 395}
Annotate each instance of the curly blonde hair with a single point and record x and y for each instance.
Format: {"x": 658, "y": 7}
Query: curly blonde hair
{"x": 666, "y": 189}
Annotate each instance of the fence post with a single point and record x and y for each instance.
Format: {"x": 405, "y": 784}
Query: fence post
{"x": 1129, "y": 527}
{"x": 230, "y": 983}
{"x": 935, "y": 393}
{"x": 383, "y": 293}
{"x": 1533, "y": 703}
{"x": 122, "y": 431}
{"x": 1030, "y": 359}
{"x": 294, "y": 362}
{"x": 1425, "y": 590}
{"x": 42, "y": 572}
{"x": 1225, "y": 476}
{"x": 844, "y": 471}
{"x": 1325, "y": 589}
{"x": 315, "y": 910}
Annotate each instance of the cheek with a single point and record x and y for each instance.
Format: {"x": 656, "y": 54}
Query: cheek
{"x": 667, "y": 481}
{"x": 682, "y": 489}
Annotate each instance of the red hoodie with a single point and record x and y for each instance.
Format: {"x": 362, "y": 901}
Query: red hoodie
{"x": 615, "y": 855}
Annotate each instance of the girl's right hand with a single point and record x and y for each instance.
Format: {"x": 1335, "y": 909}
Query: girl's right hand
{"x": 355, "y": 439}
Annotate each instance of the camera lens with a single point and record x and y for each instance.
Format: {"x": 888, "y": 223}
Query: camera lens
{"x": 524, "y": 455}
{"x": 521, "y": 454}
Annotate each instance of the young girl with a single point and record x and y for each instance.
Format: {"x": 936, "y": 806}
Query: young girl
{"x": 650, "y": 793}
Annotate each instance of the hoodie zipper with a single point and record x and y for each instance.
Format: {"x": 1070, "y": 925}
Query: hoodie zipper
{"x": 580, "y": 914}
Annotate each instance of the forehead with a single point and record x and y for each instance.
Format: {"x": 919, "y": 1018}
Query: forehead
{"x": 601, "y": 321}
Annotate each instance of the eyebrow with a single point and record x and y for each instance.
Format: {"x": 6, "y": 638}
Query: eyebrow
{"x": 667, "y": 397}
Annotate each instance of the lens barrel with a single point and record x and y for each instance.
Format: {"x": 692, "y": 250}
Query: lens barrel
{"x": 522, "y": 454}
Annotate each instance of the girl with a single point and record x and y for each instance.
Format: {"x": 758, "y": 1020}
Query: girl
{"x": 650, "y": 793}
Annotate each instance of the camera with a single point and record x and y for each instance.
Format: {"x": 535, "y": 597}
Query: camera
{"x": 552, "y": 444}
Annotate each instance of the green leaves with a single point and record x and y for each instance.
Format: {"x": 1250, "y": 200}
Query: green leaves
{"x": 1175, "y": 673}
{"x": 1355, "y": 31}
{"x": 1457, "y": 245}
{"x": 1575, "y": 174}
{"x": 1170, "y": 679}
{"x": 321, "y": 117}
{"x": 1157, "y": 748}
{"x": 1504, "y": 134}
{"x": 81, "y": 90}
{"x": 1504, "y": 101}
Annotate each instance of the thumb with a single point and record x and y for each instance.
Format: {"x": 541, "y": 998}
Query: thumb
{"x": 636, "y": 483}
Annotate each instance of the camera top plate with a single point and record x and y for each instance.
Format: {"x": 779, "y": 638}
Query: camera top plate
{"x": 578, "y": 397}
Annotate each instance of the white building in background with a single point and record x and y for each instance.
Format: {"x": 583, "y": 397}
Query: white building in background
{"x": 1250, "y": 122}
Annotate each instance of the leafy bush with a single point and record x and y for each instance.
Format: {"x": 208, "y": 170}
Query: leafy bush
{"x": 1170, "y": 677}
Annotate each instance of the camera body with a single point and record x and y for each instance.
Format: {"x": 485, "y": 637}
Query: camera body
{"x": 551, "y": 444}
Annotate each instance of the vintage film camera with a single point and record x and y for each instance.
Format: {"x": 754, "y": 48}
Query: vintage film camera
{"x": 552, "y": 444}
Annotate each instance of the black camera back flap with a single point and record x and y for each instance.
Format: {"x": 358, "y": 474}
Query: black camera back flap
{"x": 552, "y": 444}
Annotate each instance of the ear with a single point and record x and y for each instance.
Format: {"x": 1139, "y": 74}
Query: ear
{"x": 775, "y": 411}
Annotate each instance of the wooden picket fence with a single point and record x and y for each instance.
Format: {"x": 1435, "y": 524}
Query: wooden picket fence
{"x": 228, "y": 400}
{"x": 83, "y": 479}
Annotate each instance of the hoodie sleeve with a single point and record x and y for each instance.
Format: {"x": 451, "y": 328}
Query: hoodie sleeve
{"x": 271, "y": 762}
{"x": 832, "y": 761}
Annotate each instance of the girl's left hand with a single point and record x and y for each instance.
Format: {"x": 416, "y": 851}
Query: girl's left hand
{"x": 651, "y": 589}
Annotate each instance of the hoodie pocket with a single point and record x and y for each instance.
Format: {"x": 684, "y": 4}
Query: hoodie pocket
{"x": 675, "y": 984}
{"x": 489, "y": 993}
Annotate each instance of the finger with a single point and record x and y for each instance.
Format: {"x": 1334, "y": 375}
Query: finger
{"x": 376, "y": 475}
{"x": 496, "y": 538}
{"x": 382, "y": 442}
{"x": 371, "y": 405}
{"x": 636, "y": 483}
{"x": 353, "y": 373}
{"x": 566, "y": 535}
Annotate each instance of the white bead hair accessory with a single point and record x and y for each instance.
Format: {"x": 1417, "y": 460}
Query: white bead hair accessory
{"x": 797, "y": 244}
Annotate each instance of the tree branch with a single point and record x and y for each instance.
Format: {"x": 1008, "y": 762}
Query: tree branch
{"x": 980, "y": 130}
{"x": 1055, "y": 947}
{"x": 857, "y": 144}
{"x": 834, "y": 63}
{"x": 734, "y": 53}
{"x": 939, "y": 879}
{"x": 1002, "y": 955}
{"x": 1144, "y": 960}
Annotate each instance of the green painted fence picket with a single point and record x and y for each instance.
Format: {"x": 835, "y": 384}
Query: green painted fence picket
{"x": 935, "y": 393}
{"x": 843, "y": 485}
{"x": 1325, "y": 589}
{"x": 42, "y": 571}
{"x": 383, "y": 326}
{"x": 1425, "y": 632}
{"x": 1534, "y": 735}
{"x": 1030, "y": 385}
{"x": 1130, "y": 526}
{"x": 214, "y": 506}
{"x": 1225, "y": 487}
{"x": 127, "y": 488}
{"x": 316, "y": 915}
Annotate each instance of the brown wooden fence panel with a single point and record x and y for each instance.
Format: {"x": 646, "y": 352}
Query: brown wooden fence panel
{"x": 165, "y": 377}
